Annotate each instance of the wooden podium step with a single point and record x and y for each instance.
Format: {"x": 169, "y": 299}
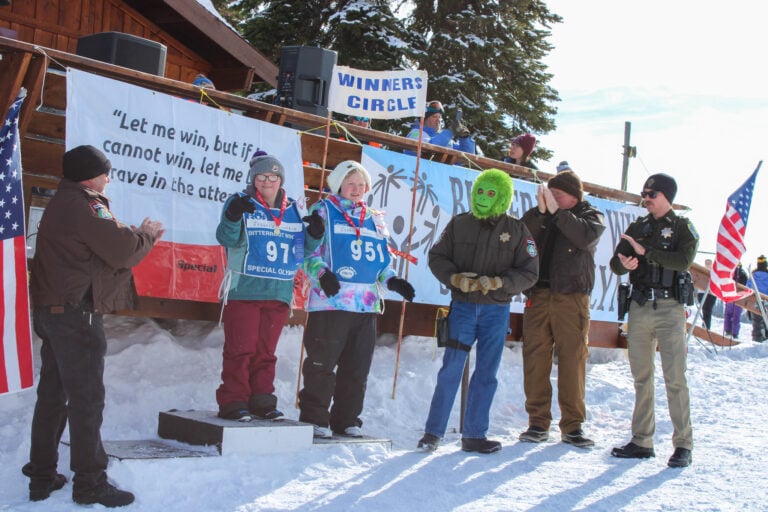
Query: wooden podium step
{"x": 154, "y": 449}
{"x": 354, "y": 440}
{"x": 257, "y": 437}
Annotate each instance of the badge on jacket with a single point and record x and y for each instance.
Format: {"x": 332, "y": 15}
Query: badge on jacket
{"x": 100, "y": 211}
{"x": 531, "y": 248}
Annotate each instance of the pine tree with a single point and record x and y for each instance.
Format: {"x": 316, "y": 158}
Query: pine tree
{"x": 484, "y": 57}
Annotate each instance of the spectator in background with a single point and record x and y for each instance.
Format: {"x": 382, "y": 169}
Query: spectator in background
{"x": 760, "y": 276}
{"x": 81, "y": 270}
{"x": 520, "y": 151}
{"x": 733, "y": 312}
{"x": 567, "y": 230}
{"x": 563, "y": 166}
{"x": 259, "y": 286}
{"x": 363, "y": 122}
{"x": 709, "y": 301}
{"x": 457, "y": 137}
{"x": 203, "y": 82}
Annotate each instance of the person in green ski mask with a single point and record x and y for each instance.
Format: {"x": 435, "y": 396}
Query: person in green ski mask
{"x": 484, "y": 257}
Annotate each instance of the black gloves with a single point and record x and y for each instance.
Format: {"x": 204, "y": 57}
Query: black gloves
{"x": 316, "y": 226}
{"x": 238, "y": 206}
{"x": 401, "y": 286}
{"x": 459, "y": 129}
{"x": 329, "y": 283}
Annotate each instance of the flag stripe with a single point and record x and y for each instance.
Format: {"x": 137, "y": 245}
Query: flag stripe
{"x": 730, "y": 243}
{"x": 4, "y": 370}
{"x": 23, "y": 328}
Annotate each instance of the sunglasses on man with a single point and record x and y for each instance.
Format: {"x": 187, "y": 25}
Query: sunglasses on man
{"x": 649, "y": 193}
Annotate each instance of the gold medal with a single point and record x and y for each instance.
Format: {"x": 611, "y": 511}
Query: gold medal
{"x": 358, "y": 242}
{"x": 277, "y": 231}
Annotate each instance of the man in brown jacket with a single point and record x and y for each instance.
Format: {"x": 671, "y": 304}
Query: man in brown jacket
{"x": 81, "y": 270}
{"x": 556, "y": 318}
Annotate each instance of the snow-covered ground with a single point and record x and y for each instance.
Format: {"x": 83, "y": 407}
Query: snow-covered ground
{"x": 154, "y": 367}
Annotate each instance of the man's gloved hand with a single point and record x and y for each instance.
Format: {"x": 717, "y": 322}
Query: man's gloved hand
{"x": 489, "y": 283}
{"x": 459, "y": 129}
{"x": 465, "y": 281}
{"x": 238, "y": 206}
{"x": 401, "y": 286}
{"x": 329, "y": 283}
{"x": 316, "y": 226}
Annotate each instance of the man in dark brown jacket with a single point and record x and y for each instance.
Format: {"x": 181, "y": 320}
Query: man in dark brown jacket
{"x": 81, "y": 270}
{"x": 556, "y": 317}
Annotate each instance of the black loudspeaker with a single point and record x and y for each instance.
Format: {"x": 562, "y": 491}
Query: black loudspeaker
{"x": 124, "y": 50}
{"x": 305, "y": 75}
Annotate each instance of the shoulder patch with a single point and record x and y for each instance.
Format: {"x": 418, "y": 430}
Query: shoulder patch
{"x": 692, "y": 229}
{"x": 99, "y": 210}
{"x": 530, "y": 247}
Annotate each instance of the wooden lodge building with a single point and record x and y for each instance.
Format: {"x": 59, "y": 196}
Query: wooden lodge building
{"x": 39, "y": 38}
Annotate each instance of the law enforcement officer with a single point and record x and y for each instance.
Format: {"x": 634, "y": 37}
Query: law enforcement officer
{"x": 657, "y": 251}
{"x": 81, "y": 270}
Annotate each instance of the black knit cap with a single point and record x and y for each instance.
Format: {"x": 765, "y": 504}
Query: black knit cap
{"x": 663, "y": 183}
{"x": 568, "y": 182}
{"x": 84, "y": 162}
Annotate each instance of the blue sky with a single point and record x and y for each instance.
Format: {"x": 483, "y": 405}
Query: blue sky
{"x": 690, "y": 78}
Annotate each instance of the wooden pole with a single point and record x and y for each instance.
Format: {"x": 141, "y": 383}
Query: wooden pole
{"x": 408, "y": 251}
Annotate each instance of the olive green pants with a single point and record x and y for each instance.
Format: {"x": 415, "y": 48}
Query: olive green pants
{"x": 663, "y": 325}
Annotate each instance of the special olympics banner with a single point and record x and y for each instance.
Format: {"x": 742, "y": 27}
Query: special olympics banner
{"x": 378, "y": 94}
{"x": 176, "y": 161}
{"x": 442, "y": 192}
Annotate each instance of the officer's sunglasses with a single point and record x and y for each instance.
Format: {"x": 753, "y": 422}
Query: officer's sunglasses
{"x": 649, "y": 193}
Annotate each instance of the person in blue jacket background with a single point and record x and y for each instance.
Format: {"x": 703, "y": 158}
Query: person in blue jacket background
{"x": 760, "y": 276}
{"x": 264, "y": 235}
{"x": 434, "y": 134}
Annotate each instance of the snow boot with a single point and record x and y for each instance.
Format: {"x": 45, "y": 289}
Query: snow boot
{"x": 479, "y": 445}
{"x": 41, "y": 488}
{"x": 428, "y": 443}
{"x": 576, "y": 438}
{"x": 105, "y": 494}
{"x": 534, "y": 434}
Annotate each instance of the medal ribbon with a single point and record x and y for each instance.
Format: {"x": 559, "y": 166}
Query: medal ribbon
{"x": 284, "y": 204}
{"x": 348, "y": 218}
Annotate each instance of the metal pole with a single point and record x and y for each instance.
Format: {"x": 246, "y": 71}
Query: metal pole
{"x": 625, "y": 162}
{"x": 758, "y": 297}
{"x": 464, "y": 390}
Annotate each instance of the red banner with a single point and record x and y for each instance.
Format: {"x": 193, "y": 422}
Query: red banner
{"x": 181, "y": 271}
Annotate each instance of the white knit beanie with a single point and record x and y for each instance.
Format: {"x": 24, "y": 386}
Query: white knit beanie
{"x": 342, "y": 171}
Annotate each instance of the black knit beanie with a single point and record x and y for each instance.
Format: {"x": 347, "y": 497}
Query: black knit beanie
{"x": 663, "y": 183}
{"x": 84, "y": 162}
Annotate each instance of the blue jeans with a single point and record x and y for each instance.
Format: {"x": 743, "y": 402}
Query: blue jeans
{"x": 467, "y": 322}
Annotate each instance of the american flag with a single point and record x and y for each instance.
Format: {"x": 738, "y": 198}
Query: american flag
{"x": 730, "y": 242}
{"x": 16, "y": 356}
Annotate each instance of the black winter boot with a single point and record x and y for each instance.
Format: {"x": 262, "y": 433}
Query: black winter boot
{"x": 480, "y": 445}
